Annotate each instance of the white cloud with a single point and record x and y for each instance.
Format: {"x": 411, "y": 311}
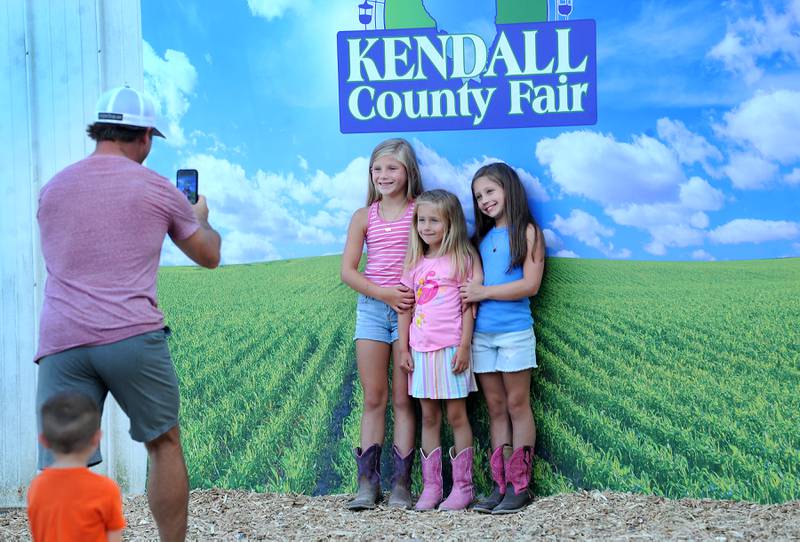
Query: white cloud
{"x": 656, "y": 248}
{"x": 170, "y": 80}
{"x": 701, "y": 254}
{"x": 677, "y": 235}
{"x": 699, "y": 220}
{"x": 748, "y": 230}
{"x": 438, "y": 172}
{"x": 748, "y": 171}
{"x": 698, "y": 194}
{"x": 566, "y": 254}
{"x": 588, "y": 230}
{"x": 346, "y": 190}
{"x": 214, "y": 145}
{"x": 258, "y": 213}
{"x": 793, "y": 177}
{"x": 673, "y": 224}
{"x": 244, "y": 247}
{"x": 325, "y": 220}
{"x": 769, "y": 122}
{"x": 750, "y": 40}
{"x": 302, "y": 162}
{"x": 613, "y": 173}
{"x": 208, "y": 58}
{"x": 273, "y": 9}
{"x": 551, "y": 239}
{"x": 691, "y": 148}
{"x": 283, "y": 185}
{"x": 646, "y": 216}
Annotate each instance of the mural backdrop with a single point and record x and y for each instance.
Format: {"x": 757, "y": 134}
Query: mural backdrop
{"x": 667, "y": 324}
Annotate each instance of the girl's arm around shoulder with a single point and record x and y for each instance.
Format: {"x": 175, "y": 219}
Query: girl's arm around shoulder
{"x": 527, "y": 286}
{"x": 463, "y": 357}
{"x": 533, "y": 269}
{"x": 399, "y": 297}
{"x": 406, "y": 362}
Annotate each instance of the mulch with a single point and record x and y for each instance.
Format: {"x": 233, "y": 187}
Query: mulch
{"x": 241, "y": 515}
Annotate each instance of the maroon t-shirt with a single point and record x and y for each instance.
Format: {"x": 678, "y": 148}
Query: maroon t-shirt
{"x": 102, "y": 223}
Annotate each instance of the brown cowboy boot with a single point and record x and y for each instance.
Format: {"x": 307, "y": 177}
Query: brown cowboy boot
{"x": 518, "y": 477}
{"x": 401, "y": 479}
{"x": 369, "y": 478}
{"x": 497, "y": 465}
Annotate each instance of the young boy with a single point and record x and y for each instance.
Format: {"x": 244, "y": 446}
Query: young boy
{"x": 67, "y": 501}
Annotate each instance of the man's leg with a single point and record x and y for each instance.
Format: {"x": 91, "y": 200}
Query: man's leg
{"x": 168, "y": 485}
{"x": 66, "y": 371}
{"x": 140, "y": 375}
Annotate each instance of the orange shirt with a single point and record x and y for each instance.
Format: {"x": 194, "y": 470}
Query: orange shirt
{"x": 75, "y": 504}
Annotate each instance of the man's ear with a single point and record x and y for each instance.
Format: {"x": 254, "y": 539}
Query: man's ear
{"x": 43, "y": 441}
{"x": 96, "y": 438}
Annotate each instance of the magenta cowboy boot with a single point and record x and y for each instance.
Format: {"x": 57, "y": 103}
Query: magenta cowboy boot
{"x": 518, "y": 479}
{"x": 497, "y": 466}
{"x": 431, "y": 494}
{"x": 462, "y": 493}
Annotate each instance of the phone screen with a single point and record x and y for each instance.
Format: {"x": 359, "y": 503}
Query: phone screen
{"x": 187, "y": 183}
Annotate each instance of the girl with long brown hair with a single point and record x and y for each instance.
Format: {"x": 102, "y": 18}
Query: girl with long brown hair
{"x": 512, "y": 252}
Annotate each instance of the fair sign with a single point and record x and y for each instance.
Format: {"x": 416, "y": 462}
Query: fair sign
{"x": 532, "y": 74}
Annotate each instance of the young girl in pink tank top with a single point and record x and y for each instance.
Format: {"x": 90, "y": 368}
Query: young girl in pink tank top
{"x": 384, "y": 225}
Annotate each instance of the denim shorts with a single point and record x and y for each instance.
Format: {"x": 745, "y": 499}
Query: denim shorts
{"x": 504, "y": 352}
{"x": 375, "y": 320}
{"x": 139, "y": 373}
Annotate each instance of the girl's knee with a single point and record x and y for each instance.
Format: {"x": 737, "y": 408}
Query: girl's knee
{"x": 431, "y": 418}
{"x": 496, "y": 406}
{"x": 402, "y": 403}
{"x": 519, "y": 406}
{"x": 375, "y": 401}
{"x": 457, "y": 417}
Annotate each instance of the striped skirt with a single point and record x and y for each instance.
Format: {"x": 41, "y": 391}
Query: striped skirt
{"x": 433, "y": 376}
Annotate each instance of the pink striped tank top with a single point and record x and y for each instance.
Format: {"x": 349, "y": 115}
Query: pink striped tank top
{"x": 386, "y": 246}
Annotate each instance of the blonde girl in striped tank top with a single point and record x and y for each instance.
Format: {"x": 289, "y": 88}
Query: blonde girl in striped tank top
{"x": 383, "y": 225}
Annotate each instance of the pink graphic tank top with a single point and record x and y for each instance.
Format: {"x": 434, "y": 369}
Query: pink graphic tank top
{"x": 387, "y": 243}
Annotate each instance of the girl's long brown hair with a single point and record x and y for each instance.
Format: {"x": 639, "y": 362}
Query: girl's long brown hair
{"x": 455, "y": 242}
{"x": 518, "y": 213}
{"x": 402, "y": 151}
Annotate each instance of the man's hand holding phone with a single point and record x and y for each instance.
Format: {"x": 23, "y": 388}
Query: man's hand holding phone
{"x": 187, "y": 183}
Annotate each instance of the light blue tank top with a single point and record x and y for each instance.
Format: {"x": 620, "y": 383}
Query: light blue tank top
{"x": 501, "y": 316}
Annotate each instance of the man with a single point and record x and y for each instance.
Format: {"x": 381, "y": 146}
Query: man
{"x": 102, "y": 222}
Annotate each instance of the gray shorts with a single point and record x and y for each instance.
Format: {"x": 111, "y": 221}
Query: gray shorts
{"x": 138, "y": 372}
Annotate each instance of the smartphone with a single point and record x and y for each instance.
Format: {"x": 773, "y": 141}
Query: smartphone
{"x": 187, "y": 183}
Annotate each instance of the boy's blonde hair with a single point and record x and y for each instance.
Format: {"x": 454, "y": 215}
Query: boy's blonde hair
{"x": 455, "y": 242}
{"x": 402, "y": 151}
{"x": 69, "y": 422}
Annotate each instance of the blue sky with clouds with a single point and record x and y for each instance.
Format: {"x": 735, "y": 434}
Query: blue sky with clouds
{"x": 695, "y": 156}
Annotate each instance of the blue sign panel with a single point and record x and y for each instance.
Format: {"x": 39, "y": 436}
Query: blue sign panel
{"x": 533, "y": 74}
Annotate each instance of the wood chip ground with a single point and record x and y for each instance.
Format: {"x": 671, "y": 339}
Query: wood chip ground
{"x": 242, "y": 515}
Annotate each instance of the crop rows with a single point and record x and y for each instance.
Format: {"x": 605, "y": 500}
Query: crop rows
{"x": 678, "y": 379}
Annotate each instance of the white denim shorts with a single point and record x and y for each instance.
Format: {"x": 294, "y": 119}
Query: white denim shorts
{"x": 504, "y": 352}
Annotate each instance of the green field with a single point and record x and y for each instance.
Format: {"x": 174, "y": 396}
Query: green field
{"x": 679, "y": 379}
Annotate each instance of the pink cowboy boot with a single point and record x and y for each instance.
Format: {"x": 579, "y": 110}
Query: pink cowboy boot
{"x": 497, "y": 465}
{"x": 462, "y": 493}
{"x": 431, "y": 494}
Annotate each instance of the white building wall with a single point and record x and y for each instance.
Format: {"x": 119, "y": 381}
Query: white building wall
{"x": 56, "y": 58}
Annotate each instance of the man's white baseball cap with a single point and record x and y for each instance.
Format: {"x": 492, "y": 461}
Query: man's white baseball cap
{"x": 129, "y": 107}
